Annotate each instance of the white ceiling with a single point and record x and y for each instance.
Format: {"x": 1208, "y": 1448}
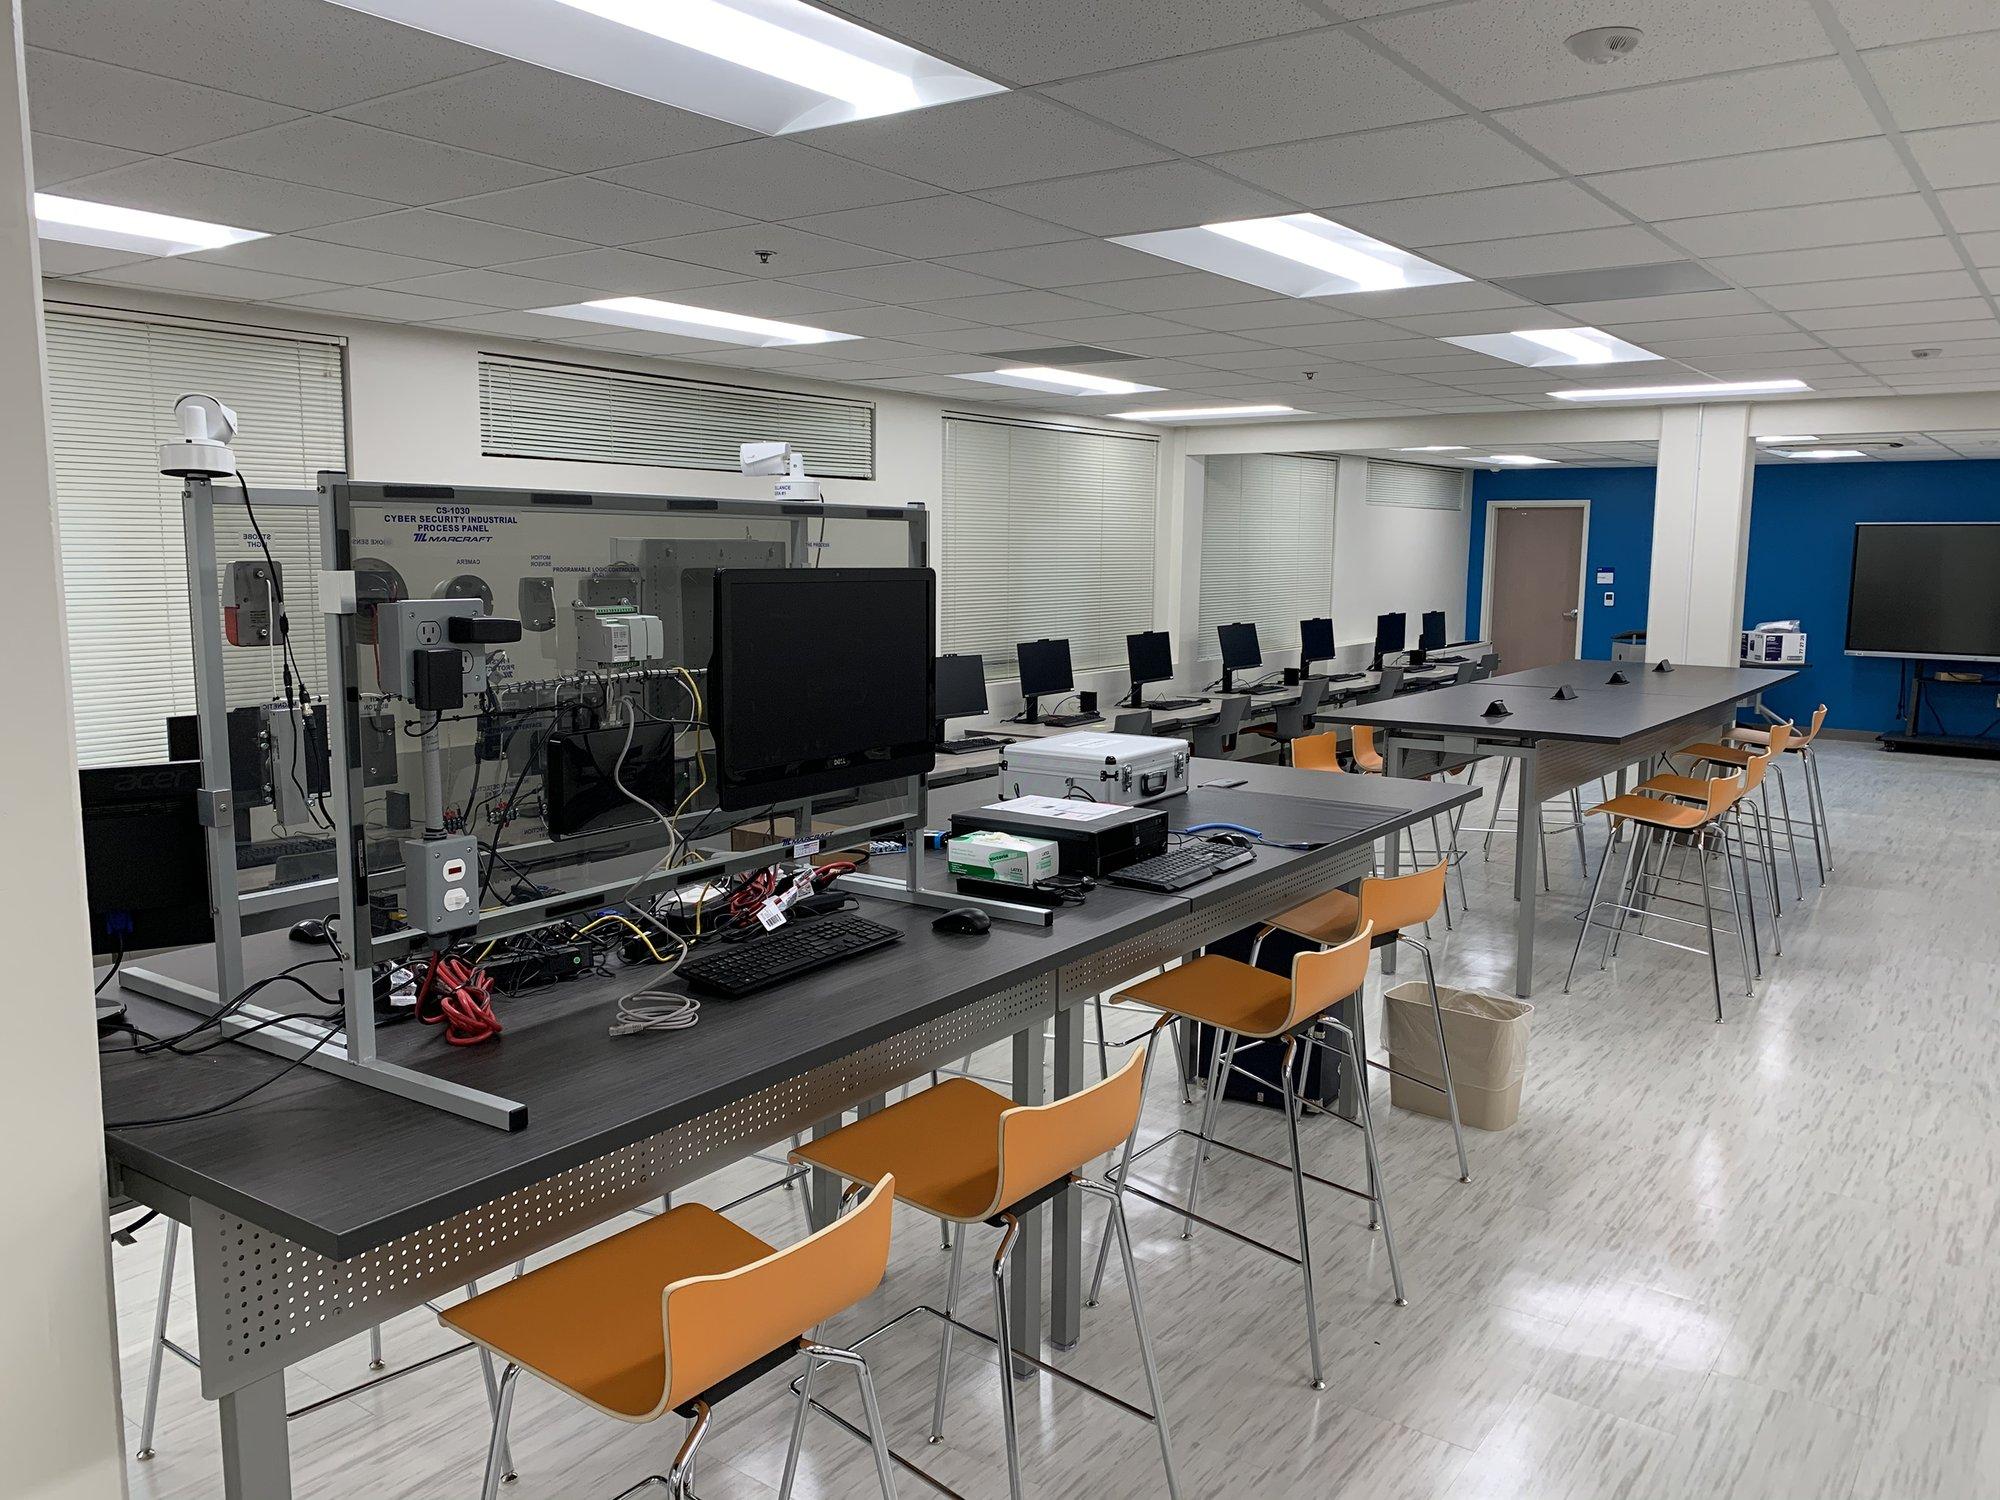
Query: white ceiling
{"x": 1827, "y": 170}
{"x": 1638, "y": 454}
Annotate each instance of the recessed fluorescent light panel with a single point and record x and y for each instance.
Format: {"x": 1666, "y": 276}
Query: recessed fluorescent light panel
{"x": 1712, "y": 389}
{"x": 1205, "y": 413}
{"x": 1436, "y": 448}
{"x": 695, "y": 322}
{"x": 1061, "y": 382}
{"x": 76, "y": 222}
{"x": 1513, "y": 460}
{"x": 1791, "y": 437}
{"x": 769, "y": 65}
{"x": 1301, "y": 255}
{"x": 1538, "y": 347}
{"x": 1826, "y": 453}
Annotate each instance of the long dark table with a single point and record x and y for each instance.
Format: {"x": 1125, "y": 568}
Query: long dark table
{"x": 320, "y": 1208}
{"x": 1557, "y": 745}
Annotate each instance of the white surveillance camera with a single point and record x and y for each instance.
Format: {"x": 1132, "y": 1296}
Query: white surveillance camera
{"x": 207, "y": 427}
{"x": 765, "y": 458}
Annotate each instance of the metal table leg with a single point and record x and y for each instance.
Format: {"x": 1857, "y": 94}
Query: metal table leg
{"x": 1066, "y": 1225}
{"x": 823, "y": 1188}
{"x": 1392, "y": 766}
{"x": 1025, "y": 1273}
{"x": 256, "y": 1449}
{"x": 1527, "y": 871}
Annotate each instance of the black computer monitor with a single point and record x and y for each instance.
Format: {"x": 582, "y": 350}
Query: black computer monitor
{"x": 1045, "y": 672}
{"x": 582, "y": 772}
{"x": 1431, "y": 637}
{"x": 961, "y": 688}
{"x": 1392, "y": 632}
{"x": 822, "y": 680}
{"x": 145, "y": 857}
{"x": 1315, "y": 643}
{"x": 1239, "y": 651}
{"x": 1150, "y": 656}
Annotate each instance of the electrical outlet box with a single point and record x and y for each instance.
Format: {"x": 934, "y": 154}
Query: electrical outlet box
{"x": 441, "y": 883}
{"x": 407, "y": 626}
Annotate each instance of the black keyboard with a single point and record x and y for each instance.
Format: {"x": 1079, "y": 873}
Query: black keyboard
{"x": 1168, "y": 705}
{"x": 1184, "y": 865}
{"x": 1445, "y": 661}
{"x": 1070, "y": 721}
{"x": 255, "y": 856}
{"x": 1265, "y": 690}
{"x": 794, "y": 950}
{"x": 967, "y": 744}
{"x": 1346, "y": 677}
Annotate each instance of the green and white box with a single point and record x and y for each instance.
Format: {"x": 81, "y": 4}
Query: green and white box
{"x": 1006, "y": 857}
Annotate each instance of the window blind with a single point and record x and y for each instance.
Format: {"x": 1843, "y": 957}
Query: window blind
{"x": 1417, "y": 486}
{"x": 1048, "y": 531}
{"x": 542, "y": 409}
{"x": 112, "y": 385}
{"x": 1266, "y": 545}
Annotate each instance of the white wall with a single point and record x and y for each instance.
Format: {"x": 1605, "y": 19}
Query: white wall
{"x": 60, "y": 1428}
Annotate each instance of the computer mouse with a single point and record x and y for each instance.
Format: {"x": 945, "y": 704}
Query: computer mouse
{"x": 311, "y": 930}
{"x": 967, "y": 920}
{"x": 1234, "y": 840}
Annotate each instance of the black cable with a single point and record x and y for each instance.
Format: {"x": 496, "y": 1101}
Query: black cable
{"x": 288, "y": 664}
{"x": 220, "y": 1105}
{"x": 224, "y": 1012}
{"x": 117, "y": 961}
{"x": 122, "y": 1235}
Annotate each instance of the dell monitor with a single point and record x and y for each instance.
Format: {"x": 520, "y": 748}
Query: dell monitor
{"x": 1045, "y": 672}
{"x": 961, "y": 689}
{"x": 621, "y": 776}
{"x": 1315, "y": 643}
{"x": 1392, "y": 633}
{"x": 1431, "y": 637}
{"x": 822, "y": 680}
{"x": 1239, "y": 651}
{"x": 1150, "y": 655}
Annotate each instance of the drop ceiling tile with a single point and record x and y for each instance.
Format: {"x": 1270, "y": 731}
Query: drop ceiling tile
{"x": 1167, "y": 195}
{"x": 923, "y": 227}
{"x": 1113, "y": 329}
{"x": 1260, "y": 359}
{"x": 643, "y": 341}
{"x": 890, "y": 322}
{"x": 1499, "y": 55}
{"x": 541, "y": 116}
{"x": 318, "y": 260}
{"x": 1354, "y": 332}
{"x": 1032, "y": 41}
{"x": 1484, "y": 214}
{"x": 607, "y": 213}
{"x": 1894, "y": 314}
{"x": 1454, "y": 296}
{"x": 1794, "y": 104}
{"x": 351, "y": 158}
{"x": 377, "y": 302}
{"x": 905, "y": 281}
{"x": 625, "y": 273}
{"x": 1878, "y": 23}
{"x": 1579, "y": 249}
{"x": 1182, "y": 289}
{"x": 1066, "y": 263}
{"x": 1014, "y": 308}
{"x": 435, "y": 236}
{"x": 60, "y": 259}
{"x": 1959, "y": 156}
{"x": 1800, "y": 362}
{"x": 112, "y": 106}
{"x": 1891, "y": 258}
{"x": 1698, "y": 349}
{"x": 179, "y": 274}
{"x": 1268, "y": 312}
{"x": 983, "y": 143}
{"x": 1805, "y": 226}
{"x": 298, "y": 52}
{"x": 1490, "y": 320}
{"x": 168, "y": 185}
{"x": 1954, "y": 338}
{"x": 513, "y": 325}
{"x": 1991, "y": 279}
{"x": 1658, "y": 330}
{"x": 486, "y": 288}
{"x": 1972, "y": 210}
{"x": 1439, "y": 155}
{"x": 1951, "y": 82}
{"x": 772, "y": 177}
{"x": 1864, "y": 291}
{"x": 1983, "y": 248}
{"x": 1644, "y": 311}
{"x": 1319, "y": 84}
{"x": 794, "y": 253}
{"x": 974, "y": 340}
{"x": 772, "y": 299}
{"x": 1186, "y": 345}
{"x": 58, "y": 158}
{"x": 1826, "y": 173}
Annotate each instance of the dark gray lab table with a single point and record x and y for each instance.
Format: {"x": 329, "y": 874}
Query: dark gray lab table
{"x": 1558, "y": 745}
{"x": 320, "y": 1208}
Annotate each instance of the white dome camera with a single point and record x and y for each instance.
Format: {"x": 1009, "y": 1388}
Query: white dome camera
{"x": 202, "y": 451}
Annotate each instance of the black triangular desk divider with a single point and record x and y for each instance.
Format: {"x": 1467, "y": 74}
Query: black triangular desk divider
{"x": 1497, "y": 709}
{"x": 1617, "y": 679}
{"x": 1663, "y": 665}
{"x": 1563, "y": 694}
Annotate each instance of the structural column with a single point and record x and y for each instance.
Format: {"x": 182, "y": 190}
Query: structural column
{"x": 1701, "y": 535}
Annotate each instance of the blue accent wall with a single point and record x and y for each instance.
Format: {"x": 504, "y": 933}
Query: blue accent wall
{"x": 1801, "y": 561}
{"x": 1621, "y": 539}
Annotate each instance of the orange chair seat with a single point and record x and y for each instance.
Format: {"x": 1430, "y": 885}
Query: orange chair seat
{"x": 1722, "y": 755}
{"x": 1330, "y": 917}
{"x": 1695, "y": 787}
{"x": 590, "y": 1322}
{"x": 1221, "y": 992}
{"x": 1652, "y": 810}
{"x": 943, "y": 1145}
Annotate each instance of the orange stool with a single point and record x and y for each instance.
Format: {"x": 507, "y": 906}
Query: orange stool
{"x": 1783, "y": 739}
{"x": 676, "y": 1313}
{"x": 1745, "y": 808}
{"x": 1242, "y": 1002}
{"x": 968, "y": 1155}
{"x": 1317, "y": 752}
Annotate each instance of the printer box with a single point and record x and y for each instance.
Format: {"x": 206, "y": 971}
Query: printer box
{"x": 1777, "y": 648}
{"x": 1010, "y": 858}
{"x": 1124, "y": 768}
{"x": 1091, "y": 838}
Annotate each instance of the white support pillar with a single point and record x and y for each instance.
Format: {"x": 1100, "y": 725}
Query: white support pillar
{"x": 60, "y": 1428}
{"x": 1701, "y": 535}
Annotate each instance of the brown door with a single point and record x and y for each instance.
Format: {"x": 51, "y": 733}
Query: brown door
{"x": 1537, "y": 558}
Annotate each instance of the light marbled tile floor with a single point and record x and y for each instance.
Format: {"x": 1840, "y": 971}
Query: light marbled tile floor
{"x": 1759, "y": 1259}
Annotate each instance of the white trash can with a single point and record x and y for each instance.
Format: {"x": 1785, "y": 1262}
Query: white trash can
{"x": 1488, "y": 1037}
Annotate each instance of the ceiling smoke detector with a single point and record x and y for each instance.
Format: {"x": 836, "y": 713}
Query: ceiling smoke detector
{"x": 1605, "y": 44}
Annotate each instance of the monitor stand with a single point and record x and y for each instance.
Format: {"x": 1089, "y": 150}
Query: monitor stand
{"x": 1138, "y": 696}
{"x": 1228, "y": 679}
{"x": 1031, "y": 711}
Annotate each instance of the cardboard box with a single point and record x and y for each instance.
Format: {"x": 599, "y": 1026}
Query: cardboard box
{"x": 1005, "y": 857}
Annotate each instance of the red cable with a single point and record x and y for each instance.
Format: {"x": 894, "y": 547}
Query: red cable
{"x": 459, "y": 996}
